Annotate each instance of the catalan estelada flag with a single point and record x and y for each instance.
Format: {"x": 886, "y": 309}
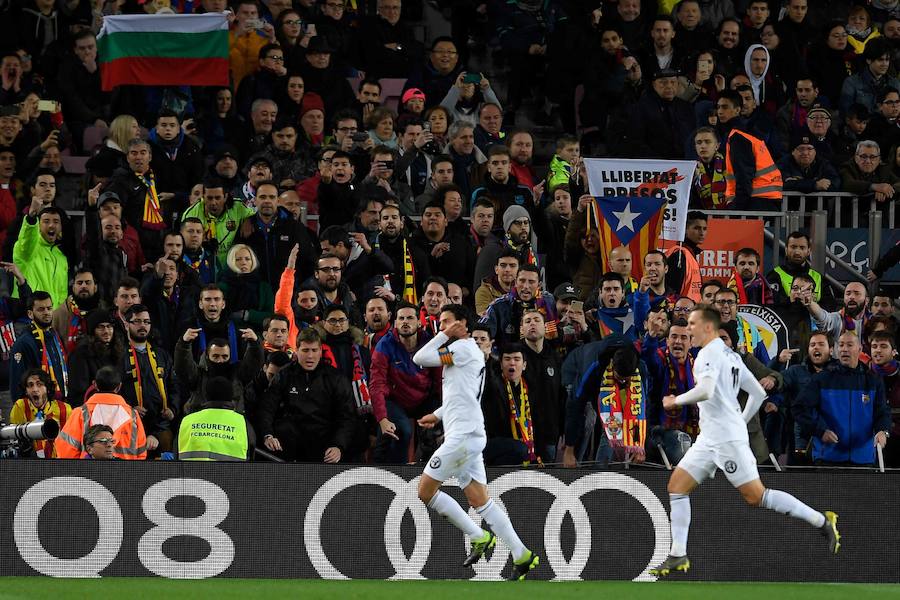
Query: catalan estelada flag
{"x": 633, "y": 221}
{"x": 163, "y": 50}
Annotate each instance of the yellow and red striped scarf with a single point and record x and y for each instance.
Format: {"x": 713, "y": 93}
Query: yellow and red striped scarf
{"x": 152, "y": 217}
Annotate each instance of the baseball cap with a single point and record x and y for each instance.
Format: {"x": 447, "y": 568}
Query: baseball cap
{"x": 567, "y": 291}
{"x": 412, "y": 93}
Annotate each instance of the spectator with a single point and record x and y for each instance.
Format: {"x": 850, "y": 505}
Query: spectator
{"x": 852, "y": 317}
{"x": 245, "y": 40}
{"x": 307, "y": 413}
{"x": 500, "y": 186}
{"x": 863, "y": 87}
{"x": 328, "y": 286}
{"x": 828, "y": 60}
{"x": 336, "y": 201}
{"x": 449, "y": 253}
{"x": 844, "y": 409}
{"x": 521, "y": 149}
{"x": 248, "y": 297}
{"x": 255, "y": 135}
{"x": 434, "y": 298}
{"x": 266, "y": 80}
{"x": 84, "y": 103}
{"x": 387, "y": 47}
{"x": 171, "y": 297}
{"x": 747, "y": 280}
{"x": 885, "y": 128}
{"x": 103, "y": 252}
{"x": 441, "y": 175}
{"x": 234, "y": 440}
{"x": 436, "y": 76}
{"x": 748, "y": 341}
{"x": 543, "y": 376}
{"x": 504, "y": 315}
{"x": 866, "y": 174}
{"x": 378, "y": 322}
{"x": 176, "y": 160}
{"x": 103, "y": 408}
{"x": 39, "y": 401}
{"x": 219, "y": 214}
{"x": 149, "y": 383}
{"x": 217, "y": 360}
{"x": 614, "y": 315}
{"x": 465, "y": 155}
{"x": 661, "y": 122}
{"x": 272, "y": 234}
{"x": 40, "y": 347}
{"x": 384, "y": 177}
{"x": 516, "y": 236}
{"x": 365, "y": 266}
{"x": 709, "y": 179}
{"x": 259, "y": 170}
{"x": 70, "y": 319}
{"x": 38, "y": 253}
{"x": 653, "y": 283}
{"x": 510, "y": 412}
{"x": 684, "y": 270}
{"x": 324, "y": 79}
{"x": 196, "y": 254}
{"x": 411, "y": 268}
{"x": 98, "y": 348}
{"x": 883, "y": 348}
{"x": 804, "y": 171}
{"x": 291, "y": 163}
{"x": 505, "y": 271}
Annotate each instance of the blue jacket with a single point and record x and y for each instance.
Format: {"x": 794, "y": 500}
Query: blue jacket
{"x": 851, "y": 403}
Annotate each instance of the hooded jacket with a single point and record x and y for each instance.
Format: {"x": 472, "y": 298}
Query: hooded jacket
{"x": 395, "y": 377}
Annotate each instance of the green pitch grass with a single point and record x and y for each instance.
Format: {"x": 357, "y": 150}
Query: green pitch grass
{"x": 36, "y": 588}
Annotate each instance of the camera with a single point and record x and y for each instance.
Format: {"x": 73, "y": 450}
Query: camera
{"x": 16, "y": 439}
{"x": 359, "y": 137}
{"x": 387, "y": 164}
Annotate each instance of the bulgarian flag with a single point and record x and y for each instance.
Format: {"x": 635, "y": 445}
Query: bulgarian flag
{"x": 164, "y": 50}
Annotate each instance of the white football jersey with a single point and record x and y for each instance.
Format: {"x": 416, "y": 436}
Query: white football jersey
{"x": 720, "y": 416}
{"x": 464, "y": 373}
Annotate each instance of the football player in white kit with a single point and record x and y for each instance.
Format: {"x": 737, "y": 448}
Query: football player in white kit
{"x": 464, "y": 439}
{"x": 723, "y": 443}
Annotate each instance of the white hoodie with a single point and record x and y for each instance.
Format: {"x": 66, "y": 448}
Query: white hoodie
{"x": 756, "y": 82}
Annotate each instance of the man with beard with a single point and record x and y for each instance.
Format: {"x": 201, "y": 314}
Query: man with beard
{"x": 844, "y": 410}
{"x": 796, "y": 256}
{"x": 504, "y": 315}
{"x": 289, "y": 165}
{"x": 307, "y": 413}
{"x": 434, "y": 298}
{"x": 70, "y": 319}
{"x": 796, "y": 378}
{"x": 336, "y": 191}
{"x": 521, "y": 150}
{"x": 852, "y": 317}
{"x": 40, "y": 348}
{"x": 749, "y": 340}
{"x": 38, "y": 254}
{"x": 98, "y": 348}
{"x": 326, "y": 282}
{"x": 401, "y": 390}
{"x": 177, "y": 161}
{"x": 378, "y": 322}
{"x": 410, "y": 263}
{"x": 883, "y": 349}
{"x": 449, "y": 254}
{"x": 219, "y": 214}
{"x": 196, "y": 255}
{"x": 225, "y": 167}
{"x": 516, "y": 236}
{"x": 363, "y": 264}
{"x": 671, "y": 369}
{"x": 272, "y": 234}
{"x": 216, "y": 361}
{"x": 39, "y": 403}
{"x": 505, "y": 272}
{"x": 149, "y": 383}
{"x": 747, "y": 281}
{"x": 103, "y": 253}
{"x": 543, "y": 375}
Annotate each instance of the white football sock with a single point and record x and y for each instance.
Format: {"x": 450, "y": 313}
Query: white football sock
{"x": 680, "y": 514}
{"x": 788, "y": 505}
{"x": 502, "y": 527}
{"x": 449, "y": 508}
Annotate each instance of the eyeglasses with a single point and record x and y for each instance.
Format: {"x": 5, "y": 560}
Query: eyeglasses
{"x": 105, "y": 441}
{"x": 444, "y": 52}
{"x": 329, "y": 269}
{"x": 868, "y": 156}
{"x": 337, "y": 321}
{"x": 726, "y": 302}
{"x": 292, "y": 21}
{"x": 819, "y": 118}
{"x": 891, "y": 102}
{"x": 683, "y": 309}
{"x": 140, "y": 321}
{"x": 276, "y": 58}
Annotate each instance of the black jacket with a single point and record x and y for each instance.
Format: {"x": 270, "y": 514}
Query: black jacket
{"x": 379, "y": 61}
{"x": 83, "y": 100}
{"x": 273, "y": 248}
{"x": 456, "y": 265}
{"x": 394, "y": 251}
{"x": 179, "y": 174}
{"x": 658, "y": 129}
{"x": 543, "y": 375}
{"x": 319, "y": 401}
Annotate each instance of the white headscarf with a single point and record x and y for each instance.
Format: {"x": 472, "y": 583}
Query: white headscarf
{"x": 756, "y": 82}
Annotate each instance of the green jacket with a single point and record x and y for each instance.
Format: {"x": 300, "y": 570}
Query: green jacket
{"x": 44, "y": 265}
{"x": 226, "y": 226}
{"x": 560, "y": 171}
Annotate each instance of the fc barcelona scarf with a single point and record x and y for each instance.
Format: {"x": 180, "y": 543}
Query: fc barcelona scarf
{"x": 684, "y": 418}
{"x": 152, "y": 216}
{"x": 360, "y": 382}
{"x": 62, "y": 387}
{"x": 77, "y": 326}
{"x": 520, "y": 420}
{"x": 622, "y": 410}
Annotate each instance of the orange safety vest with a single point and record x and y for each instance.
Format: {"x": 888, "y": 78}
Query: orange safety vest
{"x": 767, "y": 181}
{"x": 112, "y": 410}
{"x": 693, "y": 281}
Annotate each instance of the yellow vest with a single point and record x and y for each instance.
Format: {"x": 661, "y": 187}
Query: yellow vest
{"x": 787, "y": 280}
{"x": 213, "y": 434}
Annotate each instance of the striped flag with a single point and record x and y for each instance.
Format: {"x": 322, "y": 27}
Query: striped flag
{"x": 163, "y": 50}
{"x": 633, "y": 221}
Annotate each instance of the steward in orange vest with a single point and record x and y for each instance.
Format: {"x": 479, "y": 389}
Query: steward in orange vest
{"x": 684, "y": 268}
{"x": 752, "y": 181}
{"x": 108, "y": 408}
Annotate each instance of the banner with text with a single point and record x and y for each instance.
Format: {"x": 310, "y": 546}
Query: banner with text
{"x": 724, "y": 238}
{"x": 668, "y": 179}
{"x": 193, "y": 521}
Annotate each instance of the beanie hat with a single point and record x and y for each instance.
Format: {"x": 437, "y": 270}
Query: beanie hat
{"x": 95, "y": 318}
{"x": 514, "y": 213}
{"x": 311, "y": 101}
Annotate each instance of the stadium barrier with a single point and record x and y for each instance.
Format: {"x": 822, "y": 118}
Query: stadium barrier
{"x": 188, "y": 520}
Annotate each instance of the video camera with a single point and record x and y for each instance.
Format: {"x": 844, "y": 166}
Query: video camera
{"x": 15, "y": 440}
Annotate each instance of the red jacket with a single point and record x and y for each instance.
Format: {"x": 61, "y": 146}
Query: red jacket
{"x": 394, "y": 375}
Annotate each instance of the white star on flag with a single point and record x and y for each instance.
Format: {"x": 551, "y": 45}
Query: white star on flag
{"x": 626, "y": 218}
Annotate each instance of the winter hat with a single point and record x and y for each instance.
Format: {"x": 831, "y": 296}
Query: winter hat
{"x": 514, "y": 213}
{"x": 311, "y": 101}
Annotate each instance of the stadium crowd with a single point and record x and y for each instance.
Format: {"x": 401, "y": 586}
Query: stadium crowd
{"x": 275, "y": 251}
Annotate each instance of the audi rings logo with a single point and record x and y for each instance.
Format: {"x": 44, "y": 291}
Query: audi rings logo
{"x": 567, "y": 500}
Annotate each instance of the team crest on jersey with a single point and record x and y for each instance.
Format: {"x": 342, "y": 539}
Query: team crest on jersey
{"x": 865, "y": 398}
{"x": 550, "y": 371}
{"x": 730, "y": 466}
{"x": 230, "y": 225}
{"x": 435, "y": 462}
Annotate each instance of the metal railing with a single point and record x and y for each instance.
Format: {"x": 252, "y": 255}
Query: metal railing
{"x": 835, "y": 203}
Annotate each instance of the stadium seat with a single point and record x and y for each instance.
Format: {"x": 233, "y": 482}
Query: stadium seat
{"x": 74, "y": 165}
{"x": 93, "y": 137}
{"x": 391, "y": 91}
